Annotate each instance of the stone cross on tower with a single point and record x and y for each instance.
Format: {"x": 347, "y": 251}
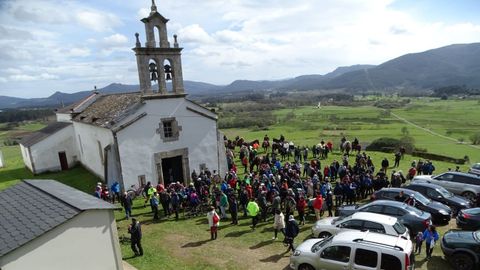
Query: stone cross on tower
{"x": 157, "y": 61}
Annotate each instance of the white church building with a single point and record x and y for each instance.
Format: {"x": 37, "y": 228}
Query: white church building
{"x": 156, "y": 134}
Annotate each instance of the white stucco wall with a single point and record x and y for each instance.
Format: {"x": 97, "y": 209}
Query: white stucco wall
{"x": 45, "y": 153}
{"x": 88, "y": 241}
{"x": 87, "y": 138}
{"x": 140, "y": 141}
{"x": 26, "y": 157}
{"x": 64, "y": 117}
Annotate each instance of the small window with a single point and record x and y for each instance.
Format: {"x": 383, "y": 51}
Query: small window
{"x": 399, "y": 228}
{"x": 374, "y": 227}
{"x": 336, "y": 253}
{"x": 373, "y": 209}
{"x": 353, "y": 224}
{"x": 389, "y": 262}
{"x": 392, "y": 211}
{"x": 390, "y": 195}
{"x": 366, "y": 258}
{"x": 432, "y": 193}
{"x": 167, "y": 129}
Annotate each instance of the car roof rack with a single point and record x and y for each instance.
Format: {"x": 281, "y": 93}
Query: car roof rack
{"x": 357, "y": 240}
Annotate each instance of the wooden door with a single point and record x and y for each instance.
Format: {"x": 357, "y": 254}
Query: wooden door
{"x": 63, "y": 160}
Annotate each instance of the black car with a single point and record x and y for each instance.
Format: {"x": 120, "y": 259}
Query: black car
{"x": 412, "y": 218}
{"x": 469, "y": 219}
{"x": 440, "y": 194}
{"x": 440, "y": 212}
{"x": 462, "y": 249}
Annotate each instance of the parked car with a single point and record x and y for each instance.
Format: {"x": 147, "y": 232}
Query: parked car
{"x": 475, "y": 169}
{"x": 440, "y": 212}
{"x": 354, "y": 250}
{"x": 363, "y": 221}
{"x": 462, "y": 249}
{"x": 440, "y": 194}
{"x": 464, "y": 184}
{"x": 412, "y": 218}
{"x": 469, "y": 219}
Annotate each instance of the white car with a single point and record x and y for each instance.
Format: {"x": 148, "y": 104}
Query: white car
{"x": 362, "y": 221}
{"x": 354, "y": 250}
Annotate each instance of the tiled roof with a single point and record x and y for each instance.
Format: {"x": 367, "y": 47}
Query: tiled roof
{"x": 108, "y": 110}
{"x": 43, "y": 133}
{"x": 34, "y": 207}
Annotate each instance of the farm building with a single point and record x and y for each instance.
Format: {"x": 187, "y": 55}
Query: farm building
{"x": 156, "y": 134}
{"x": 48, "y": 225}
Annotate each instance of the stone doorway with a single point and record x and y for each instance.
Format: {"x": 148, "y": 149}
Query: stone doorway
{"x": 172, "y": 165}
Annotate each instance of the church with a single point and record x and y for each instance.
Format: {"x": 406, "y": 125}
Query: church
{"x": 155, "y": 135}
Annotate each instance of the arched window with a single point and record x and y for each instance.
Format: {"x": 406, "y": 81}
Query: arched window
{"x": 154, "y": 73}
{"x": 169, "y": 74}
{"x": 156, "y": 32}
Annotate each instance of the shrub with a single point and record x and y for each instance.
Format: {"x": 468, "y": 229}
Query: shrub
{"x": 386, "y": 144}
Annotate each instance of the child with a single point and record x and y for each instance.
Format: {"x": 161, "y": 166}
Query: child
{"x": 418, "y": 242}
{"x": 213, "y": 221}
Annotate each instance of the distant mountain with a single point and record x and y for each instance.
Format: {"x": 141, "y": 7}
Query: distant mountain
{"x": 451, "y": 65}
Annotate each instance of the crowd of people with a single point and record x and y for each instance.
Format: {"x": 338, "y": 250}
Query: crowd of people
{"x": 281, "y": 191}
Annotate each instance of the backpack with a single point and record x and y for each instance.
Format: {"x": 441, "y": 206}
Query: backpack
{"x": 215, "y": 219}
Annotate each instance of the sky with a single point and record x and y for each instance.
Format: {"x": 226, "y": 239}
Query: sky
{"x": 70, "y": 46}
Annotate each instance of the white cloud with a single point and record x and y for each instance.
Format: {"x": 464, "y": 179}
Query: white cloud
{"x": 115, "y": 40}
{"x": 27, "y": 78}
{"x": 79, "y": 52}
{"x": 97, "y": 21}
{"x": 195, "y": 34}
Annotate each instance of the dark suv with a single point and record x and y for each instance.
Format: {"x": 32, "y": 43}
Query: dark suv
{"x": 462, "y": 249}
{"x": 440, "y": 212}
{"x": 412, "y": 218}
{"x": 440, "y": 194}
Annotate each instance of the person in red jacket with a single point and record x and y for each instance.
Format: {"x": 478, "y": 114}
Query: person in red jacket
{"x": 301, "y": 205}
{"x": 317, "y": 205}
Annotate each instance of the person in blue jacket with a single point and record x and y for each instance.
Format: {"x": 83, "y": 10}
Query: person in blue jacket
{"x": 431, "y": 236}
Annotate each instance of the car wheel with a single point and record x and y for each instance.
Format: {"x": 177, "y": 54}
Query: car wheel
{"x": 463, "y": 261}
{"x": 305, "y": 267}
{"x": 469, "y": 195}
{"x": 324, "y": 234}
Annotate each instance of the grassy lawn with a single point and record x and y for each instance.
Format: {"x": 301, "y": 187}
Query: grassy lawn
{"x": 14, "y": 171}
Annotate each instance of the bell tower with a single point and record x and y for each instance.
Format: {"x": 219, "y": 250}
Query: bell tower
{"x": 157, "y": 61}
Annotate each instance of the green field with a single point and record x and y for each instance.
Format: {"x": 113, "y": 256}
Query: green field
{"x": 185, "y": 244}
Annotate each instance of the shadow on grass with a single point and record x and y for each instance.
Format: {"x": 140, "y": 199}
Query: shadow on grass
{"x": 275, "y": 258}
{"x": 238, "y": 234}
{"x": 195, "y": 244}
{"x": 262, "y": 244}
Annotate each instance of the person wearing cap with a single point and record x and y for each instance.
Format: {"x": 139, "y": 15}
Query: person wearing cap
{"x": 291, "y": 231}
{"x": 127, "y": 202}
{"x": 135, "y": 231}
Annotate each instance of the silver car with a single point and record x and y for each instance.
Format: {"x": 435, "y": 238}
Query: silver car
{"x": 354, "y": 250}
{"x": 475, "y": 169}
{"x": 464, "y": 184}
{"x": 363, "y": 221}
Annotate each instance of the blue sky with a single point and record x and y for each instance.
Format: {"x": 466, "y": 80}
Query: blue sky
{"x": 71, "y": 46}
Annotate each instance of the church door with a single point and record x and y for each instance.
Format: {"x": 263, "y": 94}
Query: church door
{"x": 63, "y": 160}
{"x": 172, "y": 170}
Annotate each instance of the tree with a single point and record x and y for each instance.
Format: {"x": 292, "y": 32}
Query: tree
{"x": 475, "y": 138}
{"x": 405, "y": 131}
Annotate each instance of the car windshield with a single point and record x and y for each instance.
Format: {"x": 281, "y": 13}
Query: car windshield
{"x": 317, "y": 246}
{"x": 445, "y": 193}
{"x": 422, "y": 199}
{"x": 336, "y": 220}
